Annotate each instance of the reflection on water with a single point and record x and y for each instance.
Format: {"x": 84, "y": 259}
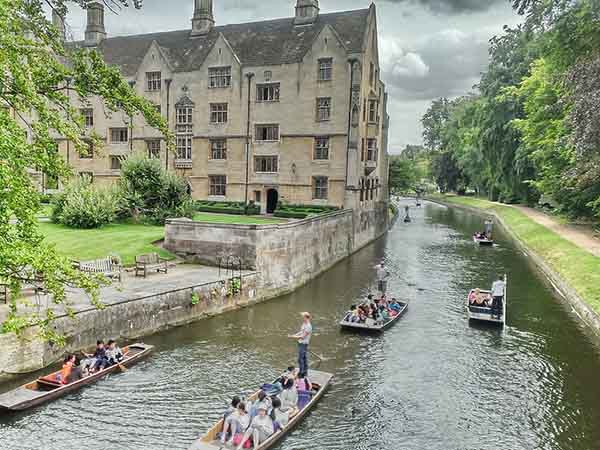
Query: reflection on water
{"x": 432, "y": 382}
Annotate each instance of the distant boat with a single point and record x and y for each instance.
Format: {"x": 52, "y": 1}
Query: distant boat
{"x": 319, "y": 380}
{"x": 407, "y": 219}
{"x": 46, "y": 388}
{"x": 375, "y": 327}
{"x": 485, "y": 312}
{"x": 485, "y": 241}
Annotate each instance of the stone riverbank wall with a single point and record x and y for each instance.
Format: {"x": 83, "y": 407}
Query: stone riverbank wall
{"x": 127, "y": 320}
{"x": 565, "y": 291}
{"x": 286, "y": 255}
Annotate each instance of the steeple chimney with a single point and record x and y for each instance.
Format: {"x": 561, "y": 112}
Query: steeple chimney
{"x": 59, "y": 23}
{"x": 94, "y": 31}
{"x": 203, "y": 19}
{"x": 307, "y": 11}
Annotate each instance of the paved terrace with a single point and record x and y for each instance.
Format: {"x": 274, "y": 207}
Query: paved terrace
{"x": 180, "y": 276}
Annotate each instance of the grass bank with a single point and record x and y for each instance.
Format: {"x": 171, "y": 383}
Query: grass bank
{"x": 579, "y": 268}
{"x": 124, "y": 239}
{"x": 236, "y": 220}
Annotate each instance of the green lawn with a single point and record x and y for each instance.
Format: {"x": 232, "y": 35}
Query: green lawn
{"x": 237, "y": 220}
{"x": 124, "y": 239}
{"x": 45, "y": 211}
{"x": 579, "y": 268}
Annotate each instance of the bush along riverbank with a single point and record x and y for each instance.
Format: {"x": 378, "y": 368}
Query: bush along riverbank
{"x": 574, "y": 271}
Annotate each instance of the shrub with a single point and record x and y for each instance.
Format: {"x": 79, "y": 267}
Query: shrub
{"x": 237, "y": 208}
{"x": 151, "y": 193}
{"x": 290, "y": 214}
{"x": 84, "y": 205}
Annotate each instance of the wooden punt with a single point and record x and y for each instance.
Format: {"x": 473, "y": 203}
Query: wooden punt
{"x": 375, "y": 328}
{"x": 45, "y": 388}
{"x": 483, "y": 241}
{"x": 485, "y": 313}
{"x": 320, "y": 381}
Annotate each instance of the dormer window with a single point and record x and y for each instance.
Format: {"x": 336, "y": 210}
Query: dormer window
{"x": 153, "y": 81}
{"x": 219, "y": 77}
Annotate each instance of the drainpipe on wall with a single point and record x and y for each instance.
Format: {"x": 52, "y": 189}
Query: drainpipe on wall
{"x": 352, "y": 62}
{"x": 249, "y": 75}
{"x": 168, "y": 84}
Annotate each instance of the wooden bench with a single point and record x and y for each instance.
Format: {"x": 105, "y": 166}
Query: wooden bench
{"x": 3, "y": 293}
{"x": 109, "y": 267}
{"x": 150, "y": 261}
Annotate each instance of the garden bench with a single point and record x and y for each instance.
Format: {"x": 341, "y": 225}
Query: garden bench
{"x": 150, "y": 261}
{"x": 110, "y": 267}
{"x": 3, "y": 293}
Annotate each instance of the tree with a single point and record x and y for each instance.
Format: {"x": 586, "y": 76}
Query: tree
{"x": 35, "y": 81}
{"x": 403, "y": 176}
{"x": 433, "y": 123}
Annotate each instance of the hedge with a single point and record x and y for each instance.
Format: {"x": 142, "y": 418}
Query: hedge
{"x": 290, "y": 214}
{"x": 237, "y": 208}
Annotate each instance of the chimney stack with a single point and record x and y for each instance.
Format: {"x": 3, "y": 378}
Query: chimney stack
{"x": 203, "y": 20}
{"x": 307, "y": 11}
{"x": 94, "y": 31}
{"x": 59, "y": 23}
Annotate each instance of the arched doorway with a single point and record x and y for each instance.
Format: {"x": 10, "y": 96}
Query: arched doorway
{"x": 272, "y": 199}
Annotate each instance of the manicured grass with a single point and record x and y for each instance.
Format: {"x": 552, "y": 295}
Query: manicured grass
{"x": 237, "y": 220}
{"x": 579, "y": 268}
{"x": 124, "y": 239}
{"x": 45, "y": 210}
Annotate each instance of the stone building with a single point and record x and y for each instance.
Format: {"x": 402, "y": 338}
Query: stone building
{"x": 288, "y": 109}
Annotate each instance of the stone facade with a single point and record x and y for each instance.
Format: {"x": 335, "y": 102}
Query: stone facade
{"x": 321, "y": 88}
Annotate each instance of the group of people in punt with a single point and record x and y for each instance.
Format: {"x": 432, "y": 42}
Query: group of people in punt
{"x": 493, "y": 299}
{"x": 251, "y": 423}
{"x": 74, "y": 368}
{"x": 374, "y": 311}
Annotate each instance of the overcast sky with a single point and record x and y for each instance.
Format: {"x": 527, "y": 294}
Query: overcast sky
{"x": 428, "y": 48}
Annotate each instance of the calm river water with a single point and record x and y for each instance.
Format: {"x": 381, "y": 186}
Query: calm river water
{"x": 432, "y": 382}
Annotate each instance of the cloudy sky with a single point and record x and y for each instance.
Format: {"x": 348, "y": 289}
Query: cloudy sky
{"x": 428, "y": 48}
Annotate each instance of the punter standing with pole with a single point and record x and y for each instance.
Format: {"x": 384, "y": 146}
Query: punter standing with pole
{"x": 382, "y": 275}
{"x": 303, "y": 337}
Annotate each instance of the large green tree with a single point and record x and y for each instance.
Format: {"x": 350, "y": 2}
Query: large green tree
{"x": 37, "y": 73}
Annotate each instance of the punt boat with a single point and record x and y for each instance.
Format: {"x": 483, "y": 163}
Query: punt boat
{"x": 319, "y": 380}
{"x": 485, "y": 313}
{"x": 483, "y": 240}
{"x": 377, "y": 327}
{"x": 46, "y": 388}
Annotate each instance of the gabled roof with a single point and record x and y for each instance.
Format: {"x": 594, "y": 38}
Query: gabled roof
{"x": 270, "y": 42}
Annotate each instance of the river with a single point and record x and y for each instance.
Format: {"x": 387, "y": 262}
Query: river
{"x": 432, "y": 382}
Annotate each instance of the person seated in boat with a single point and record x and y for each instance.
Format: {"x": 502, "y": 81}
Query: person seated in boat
{"x": 290, "y": 372}
{"x": 353, "y": 316}
{"x": 263, "y": 400}
{"x": 113, "y": 353}
{"x": 261, "y": 429}
{"x": 279, "y": 416}
{"x": 474, "y": 297}
{"x": 394, "y": 305}
{"x": 289, "y": 395}
{"x": 77, "y": 372}
{"x": 98, "y": 360}
{"x": 67, "y": 368}
{"x": 235, "y": 401}
{"x": 236, "y": 422}
{"x": 384, "y": 314}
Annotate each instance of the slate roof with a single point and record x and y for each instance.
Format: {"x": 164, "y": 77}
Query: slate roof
{"x": 270, "y": 42}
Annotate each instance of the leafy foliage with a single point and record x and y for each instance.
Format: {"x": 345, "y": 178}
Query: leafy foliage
{"x": 85, "y": 205}
{"x": 151, "y": 193}
{"x": 533, "y": 127}
{"x": 34, "y": 85}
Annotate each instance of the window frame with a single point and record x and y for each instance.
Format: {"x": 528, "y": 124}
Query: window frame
{"x": 324, "y": 70}
{"x": 276, "y": 92}
{"x": 320, "y": 192}
{"x": 371, "y": 149}
{"x": 216, "y": 150}
{"x": 154, "y": 81}
{"x": 88, "y": 117}
{"x": 90, "y": 147}
{"x": 321, "y": 148}
{"x": 373, "y": 110}
{"x": 216, "y": 114}
{"x": 120, "y": 130}
{"x": 274, "y": 160}
{"x": 266, "y": 126}
{"x": 213, "y": 186}
{"x": 219, "y": 77}
{"x": 114, "y": 158}
{"x": 183, "y": 147}
{"x": 324, "y": 108}
{"x": 153, "y": 153}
